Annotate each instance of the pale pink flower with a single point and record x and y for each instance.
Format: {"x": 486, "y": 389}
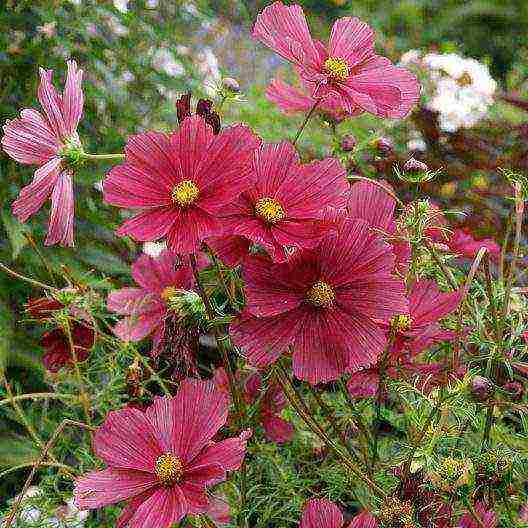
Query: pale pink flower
{"x": 347, "y": 68}
{"x": 43, "y": 140}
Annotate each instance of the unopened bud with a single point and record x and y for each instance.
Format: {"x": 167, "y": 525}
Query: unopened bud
{"x": 481, "y": 388}
{"x": 414, "y": 165}
{"x": 384, "y": 146}
{"x": 348, "y": 143}
{"x": 231, "y": 84}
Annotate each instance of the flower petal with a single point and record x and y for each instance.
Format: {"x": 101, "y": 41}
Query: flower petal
{"x": 60, "y": 230}
{"x": 321, "y": 513}
{"x": 364, "y": 519}
{"x": 162, "y": 509}
{"x": 277, "y": 429}
{"x": 138, "y": 326}
{"x": 126, "y": 441}
{"x": 131, "y": 301}
{"x": 73, "y": 97}
{"x": 367, "y": 201}
{"x": 101, "y": 488}
{"x": 150, "y": 225}
{"x": 351, "y": 40}
{"x": 51, "y": 102}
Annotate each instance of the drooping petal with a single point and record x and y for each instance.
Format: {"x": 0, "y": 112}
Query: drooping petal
{"x": 73, "y": 97}
{"x": 126, "y": 441}
{"x": 33, "y": 196}
{"x": 101, "y": 488}
{"x": 60, "y": 230}
{"x": 29, "y": 139}
{"x": 162, "y": 509}
{"x": 51, "y": 102}
{"x": 321, "y": 513}
{"x": 284, "y": 29}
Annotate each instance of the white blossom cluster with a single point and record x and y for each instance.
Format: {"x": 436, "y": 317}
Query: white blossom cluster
{"x": 460, "y": 89}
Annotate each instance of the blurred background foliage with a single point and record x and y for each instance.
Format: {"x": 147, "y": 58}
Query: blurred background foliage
{"x": 140, "y": 56}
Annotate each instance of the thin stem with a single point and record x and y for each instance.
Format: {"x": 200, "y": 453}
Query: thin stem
{"x": 302, "y": 410}
{"x": 42, "y": 464}
{"x": 85, "y": 400}
{"x": 306, "y": 119}
{"x": 153, "y": 373}
{"x": 38, "y": 463}
{"x": 504, "y": 248}
{"x": 43, "y": 259}
{"x": 221, "y": 339}
{"x": 220, "y": 272}
{"x": 33, "y": 282}
{"x": 448, "y": 274}
{"x": 491, "y": 296}
{"x": 104, "y": 157}
{"x": 37, "y": 396}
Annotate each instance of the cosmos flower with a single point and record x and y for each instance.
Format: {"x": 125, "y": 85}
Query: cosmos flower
{"x": 293, "y": 100}
{"x": 413, "y": 332}
{"x": 463, "y": 243}
{"x": 270, "y": 404}
{"x": 56, "y": 342}
{"x": 230, "y": 249}
{"x": 370, "y": 202}
{"x": 322, "y": 303}
{"x": 322, "y": 513}
{"x": 180, "y": 182}
{"x": 347, "y": 68}
{"x": 488, "y": 517}
{"x": 285, "y": 206}
{"x": 158, "y": 307}
{"x": 162, "y": 461}
{"x": 51, "y": 142}
{"x": 204, "y": 108}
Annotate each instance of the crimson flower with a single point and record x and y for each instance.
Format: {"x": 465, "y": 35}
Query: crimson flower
{"x": 293, "y": 100}
{"x": 322, "y": 513}
{"x": 161, "y": 461}
{"x": 412, "y": 333}
{"x": 488, "y": 518}
{"x": 56, "y": 342}
{"x": 181, "y": 182}
{"x": 45, "y": 140}
{"x": 285, "y": 205}
{"x": 373, "y": 204}
{"x": 154, "y": 308}
{"x": 347, "y": 68}
{"x": 464, "y": 244}
{"x": 322, "y": 303}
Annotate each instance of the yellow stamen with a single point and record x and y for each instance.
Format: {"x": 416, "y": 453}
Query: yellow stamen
{"x": 185, "y": 193}
{"x": 169, "y": 469}
{"x": 321, "y": 294}
{"x": 401, "y": 323}
{"x": 336, "y": 68}
{"x": 270, "y": 210}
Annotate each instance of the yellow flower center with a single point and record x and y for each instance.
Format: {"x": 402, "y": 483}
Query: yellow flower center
{"x": 170, "y": 294}
{"x": 185, "y": 193}
{"x": 465, "y": 80}
{"x": 336, "y": 68}
{"x": 321, "y": 294}
{"x": 169, "y": 469}
{"x": 401, "y": 323}
{"x": 270, "y": 210}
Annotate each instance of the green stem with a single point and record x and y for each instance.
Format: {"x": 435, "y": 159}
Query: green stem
{"x": 306, "y": 119}
{"x": 38, "y": 396}
{"x": 104, "y": 157}
{"x": 33, "y": 282}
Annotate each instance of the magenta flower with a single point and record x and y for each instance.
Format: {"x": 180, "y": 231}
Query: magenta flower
{"x": 323, "y": 303}
{"x": 161, "y": 461}
{"x": 464, "y": 244}
{"x": 285, "y": 205}
{"x": 370, "y": 202}
{"x": 413, "y": 333}
{"x": 232, "y": 250}
{"x": 45, "y": 140}
{"x": 322, "y": 513}
{"x": 181, "y": 182}
{"x": 347, "y": 68}
{"x": 152, "y": 308}
{"x": 293, "y": 100}
{"x": 487, "y": 517}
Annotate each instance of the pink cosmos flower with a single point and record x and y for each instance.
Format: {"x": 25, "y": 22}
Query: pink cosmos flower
{"x": 464, "y": 243}
{"x": 293, "y": 100}
{"x": 271, "y": 403}
{"x": 488, "y": 517}
{"x": 413, "y": 333}
{"x": 151, "y": 309}
{"x": 370, "y": 202}
{"x": 347, "y": 68}
{"x": 36, "y": 139}
{"x": 285, "y": 206}
{"x": 161, "y": 461}
{"x": 322, "y": 513}
{"x": 323, "y": 303}
{"x": 181, "y": 182}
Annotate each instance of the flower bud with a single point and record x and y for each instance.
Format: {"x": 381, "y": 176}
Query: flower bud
{"x": 414, "y": 165}
{"x": 384, "y": 146}
{"x": 348, "y": 143}
{"x": 452, "y": 474}
{"x": 231, "y": 85}
{"x": 481, "y": 388}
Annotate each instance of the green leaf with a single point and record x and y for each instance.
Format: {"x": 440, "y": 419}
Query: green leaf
{"x": 15, "y": 233}
{"x": 16, "y": 450}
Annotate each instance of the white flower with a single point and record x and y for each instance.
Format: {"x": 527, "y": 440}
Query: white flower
{"x": 121, "y": 5}
{"x": 154, "y": 249}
